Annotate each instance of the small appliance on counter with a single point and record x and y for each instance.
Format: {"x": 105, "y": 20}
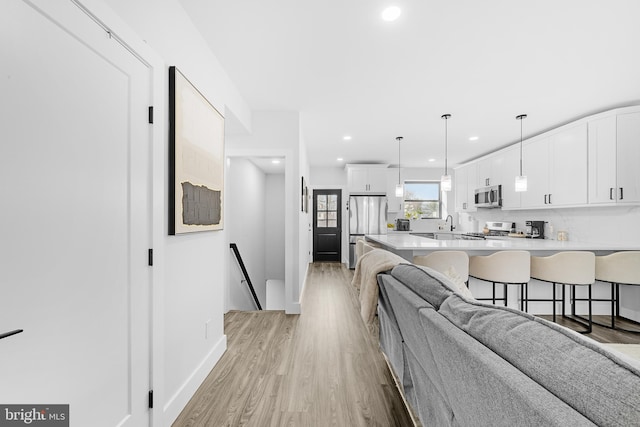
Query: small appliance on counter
{"x": 402, "y": 224}
{"x": 534, "y": 229}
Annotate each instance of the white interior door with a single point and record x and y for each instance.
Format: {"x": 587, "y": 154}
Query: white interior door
{"x": 75, "y": 216}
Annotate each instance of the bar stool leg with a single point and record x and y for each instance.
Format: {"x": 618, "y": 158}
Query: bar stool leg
{"x": 505, "y": 293}
{"x": 613, "y": 306}
{"x": 493, "y": 298}
{"x": 554, "y": 301}
{"x": 573, "y": 300}
{"x": 590, "y": 313}
{"x": 563, "y": 296}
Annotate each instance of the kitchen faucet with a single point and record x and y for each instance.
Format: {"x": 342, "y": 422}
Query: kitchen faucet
{"x": 447, "y": 220}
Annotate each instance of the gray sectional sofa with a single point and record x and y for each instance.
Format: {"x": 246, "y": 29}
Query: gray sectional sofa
{"x": 465, "y": 363}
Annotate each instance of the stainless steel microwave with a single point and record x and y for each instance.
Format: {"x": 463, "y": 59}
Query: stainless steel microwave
{"x": 488, "y": 197}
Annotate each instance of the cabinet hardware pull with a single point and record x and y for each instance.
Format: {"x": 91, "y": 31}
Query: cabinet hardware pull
{"x": 621, "y": 194}
{"x": 549, "y": 198}
{"x": 611, "y": 193}
{"x": 545, "y": 199}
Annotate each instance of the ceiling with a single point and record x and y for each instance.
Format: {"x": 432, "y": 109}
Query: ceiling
{"x": 348, "y": 72}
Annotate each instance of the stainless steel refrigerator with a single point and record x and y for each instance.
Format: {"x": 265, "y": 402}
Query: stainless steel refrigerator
{"x": 367, "y": 215}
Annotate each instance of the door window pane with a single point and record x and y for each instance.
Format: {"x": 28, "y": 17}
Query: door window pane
{"x": 322, "y": 202}
{"x": 333, "y": 202}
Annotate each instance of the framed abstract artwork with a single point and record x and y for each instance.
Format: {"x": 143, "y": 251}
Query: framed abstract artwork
{"x": 196, "y": 159}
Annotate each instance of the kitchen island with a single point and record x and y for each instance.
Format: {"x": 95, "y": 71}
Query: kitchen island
{"x": 408, "y": 245}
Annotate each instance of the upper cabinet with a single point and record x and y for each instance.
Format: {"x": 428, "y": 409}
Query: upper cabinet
{"x": 364, "y": 179}
{"x": 592, "y": 161}
{"x": 490, "y": 170}
{"x": 465, "y": 182}
{"x": 556, "y": 169}
{"x": 628, "y": 156}
{"x": 602, "y": 160}
{"x": 614, "y": 150}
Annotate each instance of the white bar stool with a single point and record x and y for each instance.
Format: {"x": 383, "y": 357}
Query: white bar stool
{"x": 574, "y": 268}
{"x": 442, "y": 261}
{"x": 506, "y": 267}
{"x": 619, "y": 268}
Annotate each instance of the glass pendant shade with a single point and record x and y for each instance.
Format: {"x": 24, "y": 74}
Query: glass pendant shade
{"x": 399, "y": 190}
{"x": 445, "y": 183}
{"x": 521, "y": 183}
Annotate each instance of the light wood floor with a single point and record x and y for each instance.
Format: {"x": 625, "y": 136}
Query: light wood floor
{"x": 320, "y": 368}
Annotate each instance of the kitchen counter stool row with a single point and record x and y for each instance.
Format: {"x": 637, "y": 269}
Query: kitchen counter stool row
{"x": 567, "y": 268}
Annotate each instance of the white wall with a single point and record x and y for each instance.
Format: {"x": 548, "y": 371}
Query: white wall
{"x": 246, "y": 225}
{"x": 274, "y": 211}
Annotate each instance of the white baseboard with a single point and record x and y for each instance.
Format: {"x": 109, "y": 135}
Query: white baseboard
{"x": 179, "y": 400}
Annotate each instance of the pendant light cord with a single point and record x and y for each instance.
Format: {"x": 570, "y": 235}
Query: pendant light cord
{"x": 446, "y": 142}
{"x": 399, "y": 138}
{"x": 521, "y": 117}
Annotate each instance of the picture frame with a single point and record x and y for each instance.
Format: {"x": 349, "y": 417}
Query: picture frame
{"x": 303, "y": 196}
{"x": 196, "y": 159}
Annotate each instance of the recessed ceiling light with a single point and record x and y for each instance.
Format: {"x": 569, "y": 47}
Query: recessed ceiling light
{"x": 275, "y": 161}
{"x": 473, "y": 138}
{"x": 432, "y": 160}
{"x": 347, "y": 137}
{"x": 391, "y": 13}
{"x": 340, "y": 159}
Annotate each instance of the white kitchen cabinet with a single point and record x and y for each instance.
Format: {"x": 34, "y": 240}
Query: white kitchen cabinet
{"x": 490, "y": 170}
{"x": 628, "y": 156}
{"x": 602, "y": 160}
{"x": 556, "y": 169}
{"x": 465, "y": 182}
{"x": 614, "y": 150}
{"x": 363, "y": 179}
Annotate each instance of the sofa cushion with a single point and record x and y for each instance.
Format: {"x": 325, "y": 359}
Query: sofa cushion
{"x": 430, "y": 285}
{"x": 484, "y": 389}
{"x": 591, "y": 380}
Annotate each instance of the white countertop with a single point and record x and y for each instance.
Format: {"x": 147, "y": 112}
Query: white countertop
{"x": 408, "y": 242}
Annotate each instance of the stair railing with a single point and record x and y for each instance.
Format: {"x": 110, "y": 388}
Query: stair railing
{"x": 234, "y": 247}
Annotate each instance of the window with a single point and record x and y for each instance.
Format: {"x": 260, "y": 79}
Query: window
{"x": 327, "y": 210}
{"x": 422, "y": 200}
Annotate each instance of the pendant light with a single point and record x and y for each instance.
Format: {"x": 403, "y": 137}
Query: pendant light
{"x": 399, "y": 187}
{"x": 521, "y": 180}
{"x": 445, "y": 180}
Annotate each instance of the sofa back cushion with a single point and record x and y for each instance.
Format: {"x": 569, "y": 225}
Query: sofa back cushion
{"x": 603, "y": 388}
{"x": 430, "y": 285}
{"x": 484, "y": 389}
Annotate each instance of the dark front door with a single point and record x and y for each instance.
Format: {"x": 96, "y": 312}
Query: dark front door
{"x": 327, "y": 225}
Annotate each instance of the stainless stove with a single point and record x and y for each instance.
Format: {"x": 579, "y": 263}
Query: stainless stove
{"x": 497, "y": 230}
